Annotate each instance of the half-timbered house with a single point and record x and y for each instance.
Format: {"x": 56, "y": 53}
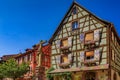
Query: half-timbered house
{"x": 85, "y": 47}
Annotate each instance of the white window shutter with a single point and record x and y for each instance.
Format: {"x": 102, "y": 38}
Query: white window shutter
{"x": 82, "y": 56}
{"x": 97, "y": 54}
{"x": 70, "y": 41}
{"x": 82, "y": 37}
{"x": 96, "y": 35}
{"x": 58, "y": 43}
{"x": 58, "y": 59}
{"x": 70, "y": 57}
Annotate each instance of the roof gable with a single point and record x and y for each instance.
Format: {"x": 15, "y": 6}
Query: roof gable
{"x": 69, "y": 12}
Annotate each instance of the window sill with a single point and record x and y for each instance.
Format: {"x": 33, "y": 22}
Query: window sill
{"x": 75, "y": 29}
{"x": 89, "y": 42}
{"x": 64, "y": 47}
{"x": 64, "y": 64}
{"x": 90, "y": 61}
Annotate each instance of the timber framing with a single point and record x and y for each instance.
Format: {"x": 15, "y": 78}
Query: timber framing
{"x": 94, "y": 44}
{"x": 61, "y": 23}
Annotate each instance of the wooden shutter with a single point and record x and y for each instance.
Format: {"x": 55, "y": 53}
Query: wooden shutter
{"x": 97, "y": 54}
{"x": 82, "y": 37}
{"x": 58, "y": 43}
{"x": 82, "y": 56}
{"x": 70, "y": 41}
{"x": 96, "y": 35}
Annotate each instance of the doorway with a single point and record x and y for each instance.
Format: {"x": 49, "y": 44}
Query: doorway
{"x": 90, "y": 76}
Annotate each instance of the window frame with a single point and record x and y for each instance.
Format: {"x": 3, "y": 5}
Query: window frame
{"x": 74, "y": 10}
{"x": 64, "y": 47}
{"x": 90, "y": 58}
{"x": 65, "y": 64}
{"x": 62, "y": 44}
{"x": 89, "y": 33}
{"x": 66, "y": 56}
{"x": 78, "y": 25}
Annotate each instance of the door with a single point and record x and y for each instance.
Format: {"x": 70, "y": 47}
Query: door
{"x": 77, "y": 76}
{"x": 90, "y": 76}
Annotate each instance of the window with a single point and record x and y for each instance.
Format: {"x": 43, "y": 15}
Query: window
{"x": 75, "y": 10}
{"x": 89, "y": 55}
{"x": 74, "y": 25}
{"x": 64, "y": 43}
{"x": 89, "y": 37}
{"x": 65, "y": 59}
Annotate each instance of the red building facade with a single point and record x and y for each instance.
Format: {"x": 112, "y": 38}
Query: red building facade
{"x": 30, "y": 56}
{"x": 46, "y": 50}
{"x": 27, "y": 57}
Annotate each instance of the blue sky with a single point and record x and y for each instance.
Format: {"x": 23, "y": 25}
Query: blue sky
{"x": 24, "y": 23}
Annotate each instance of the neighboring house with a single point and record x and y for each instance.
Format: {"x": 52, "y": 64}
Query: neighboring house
{"x": 84, "y": 47}
{"x": 7, "y": 57}
{"x": 46, "y": 50}
{"x": 30, "y": 56}
{"x": 4, "y": 58}
{"x": 27, "y": 57}
{"x": 45, "y": 61}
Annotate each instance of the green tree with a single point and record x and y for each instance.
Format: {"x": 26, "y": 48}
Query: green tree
{"x": 1, "y": 70}
{"x": 10, "y": 69}
{"x": 48, "y": 75}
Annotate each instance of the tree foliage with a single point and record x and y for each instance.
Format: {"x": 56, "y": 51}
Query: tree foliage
{"x": 1, "y": 70}
{"x": 10, "y": 69}
{"x": 49, "y": 76}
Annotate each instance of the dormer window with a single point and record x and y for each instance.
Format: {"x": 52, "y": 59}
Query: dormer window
{"x": 75, "y": 10}
{"x": 74, "y": 25}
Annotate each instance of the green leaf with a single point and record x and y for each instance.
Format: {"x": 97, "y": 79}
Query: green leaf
{"x": 11, "y": 69}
